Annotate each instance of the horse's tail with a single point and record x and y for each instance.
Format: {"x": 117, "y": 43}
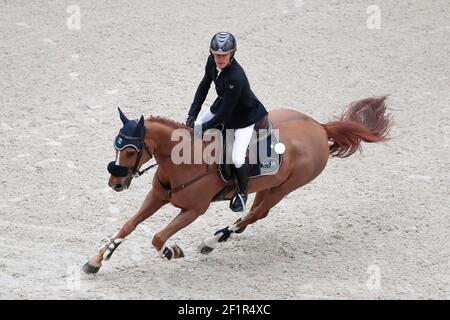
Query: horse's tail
{"x": 362, "y": 120}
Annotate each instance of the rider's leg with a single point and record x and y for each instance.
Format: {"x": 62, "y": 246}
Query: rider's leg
{"x": 242, "y": 139}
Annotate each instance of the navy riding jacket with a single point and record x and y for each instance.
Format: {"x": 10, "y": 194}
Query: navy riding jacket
{"x": 236, "y": 105}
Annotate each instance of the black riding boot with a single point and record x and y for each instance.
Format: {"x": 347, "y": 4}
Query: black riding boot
{"x": 240, "y": 200}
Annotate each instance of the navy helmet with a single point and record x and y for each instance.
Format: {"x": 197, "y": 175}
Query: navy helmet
{"x": 222, "y": 43}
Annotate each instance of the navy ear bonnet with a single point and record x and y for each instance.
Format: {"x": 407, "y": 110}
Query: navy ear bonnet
{"x": 131, "y": 135}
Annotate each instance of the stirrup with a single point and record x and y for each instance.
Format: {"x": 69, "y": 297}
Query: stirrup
{"x": 239, "y": 202}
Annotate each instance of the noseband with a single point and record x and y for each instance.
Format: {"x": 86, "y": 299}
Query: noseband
{"x": 121, "y": 171}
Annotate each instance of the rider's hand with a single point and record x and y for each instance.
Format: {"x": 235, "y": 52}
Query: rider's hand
{"x": 190, "y": 121}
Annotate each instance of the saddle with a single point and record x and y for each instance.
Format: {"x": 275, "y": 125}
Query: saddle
{"x": 261, "y": 156}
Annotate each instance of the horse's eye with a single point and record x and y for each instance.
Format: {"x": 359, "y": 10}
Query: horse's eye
{"x": 129, "y": 154}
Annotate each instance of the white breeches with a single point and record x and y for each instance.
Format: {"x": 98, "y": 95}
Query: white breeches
{"x": 242, "y": 138}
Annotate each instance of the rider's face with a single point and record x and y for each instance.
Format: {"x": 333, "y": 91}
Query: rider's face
{"x": 222, "y": 60}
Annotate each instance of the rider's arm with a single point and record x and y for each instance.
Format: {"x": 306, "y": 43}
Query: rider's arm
{"x": 202, "y": 92}
{"x": 230, "y": 100}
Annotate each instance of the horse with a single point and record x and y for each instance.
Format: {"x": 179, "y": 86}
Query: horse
{"x": 192, "y": 187}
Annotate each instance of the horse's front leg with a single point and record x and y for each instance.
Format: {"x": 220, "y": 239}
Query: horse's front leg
{"x": 183, "y": 219}
{"x": 152, "y": 203}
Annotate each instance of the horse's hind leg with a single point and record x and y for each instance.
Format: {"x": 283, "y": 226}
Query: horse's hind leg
{"x": 223, "y": 234}
{"x": 272, "y": 198}
{"x": 258, "y": 199}
{"x": 151, "y": 204}
{"x": 265, "y": 201}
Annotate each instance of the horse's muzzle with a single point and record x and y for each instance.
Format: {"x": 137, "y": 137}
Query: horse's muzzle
{"x": 117, "y": 171}
{"x": 121, "y": 186}
{"x": 118, "y": 187}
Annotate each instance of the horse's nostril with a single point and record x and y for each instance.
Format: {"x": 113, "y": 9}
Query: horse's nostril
{"x": 117, "y": 187}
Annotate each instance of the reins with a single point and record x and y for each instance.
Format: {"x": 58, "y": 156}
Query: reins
{"x": 187, "y": 184}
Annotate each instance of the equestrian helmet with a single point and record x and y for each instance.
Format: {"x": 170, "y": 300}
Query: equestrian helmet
{"x": 223, "y": 43}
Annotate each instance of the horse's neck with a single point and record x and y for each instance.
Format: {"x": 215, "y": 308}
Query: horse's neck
{"x": 160, "y": 137}
{"x": 161, "y": 133}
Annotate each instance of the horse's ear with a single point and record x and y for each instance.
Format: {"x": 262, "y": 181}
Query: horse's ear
{"x": 140, "y": 128}
{"x": 123, "y": 117}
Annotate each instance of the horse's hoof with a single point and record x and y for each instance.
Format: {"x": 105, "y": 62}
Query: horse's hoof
{"x": 226, "y": 233}
{"x": 178, "y": 253}
{"x": 204, "y": 249}
{"x": 241, "y": 229}
{"x": 90, "y": 269}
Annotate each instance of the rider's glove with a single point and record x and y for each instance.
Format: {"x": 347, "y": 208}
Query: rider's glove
{"x": 190, "y": 121}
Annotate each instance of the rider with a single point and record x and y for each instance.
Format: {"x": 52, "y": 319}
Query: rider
{"x": 236, "y": 106}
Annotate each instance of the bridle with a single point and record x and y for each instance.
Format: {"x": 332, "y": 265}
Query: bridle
{"x": 122, "y": 171}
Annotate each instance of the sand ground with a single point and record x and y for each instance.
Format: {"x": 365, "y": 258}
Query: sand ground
{"x": 375, "y": 225}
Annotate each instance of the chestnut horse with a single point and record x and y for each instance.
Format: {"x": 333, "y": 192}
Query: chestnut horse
{"x": 192, "y": 187}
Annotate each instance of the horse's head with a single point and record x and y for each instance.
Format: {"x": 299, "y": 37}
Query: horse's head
{"x": 130, "y": 147}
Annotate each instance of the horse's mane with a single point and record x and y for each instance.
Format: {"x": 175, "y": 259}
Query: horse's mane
{"x": 171, "y": 123}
